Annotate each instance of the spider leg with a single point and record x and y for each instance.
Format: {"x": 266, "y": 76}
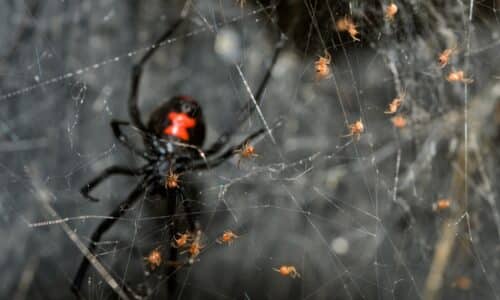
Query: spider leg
{"x": 245, "y": 112}
{"x": 103, "y": 227}
{"x": 122, "y": 138}
{"x": 173, "y": 252}
{"x": 106, "y": 173}
{"x": 137, "y": 69}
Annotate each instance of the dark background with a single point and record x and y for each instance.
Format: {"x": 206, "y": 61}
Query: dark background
{"x": 355, "y": 218}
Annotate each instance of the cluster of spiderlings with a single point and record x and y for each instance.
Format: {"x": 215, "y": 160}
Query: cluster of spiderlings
{"x": 323, "y": 70}
{"x": 192, "y": 245}
{"x": 454, "y": 75}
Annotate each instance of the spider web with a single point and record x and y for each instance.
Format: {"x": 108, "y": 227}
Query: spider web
{"x": 357, "y": 218}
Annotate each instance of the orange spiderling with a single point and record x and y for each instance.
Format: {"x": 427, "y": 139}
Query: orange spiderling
{"x": 399, "y": 121}
{"x": 247, "y": 151}
{"x": 154, "y": 258}
{"x": 390, "y": 11}
{"x": 346, "y": 24}
{"x": 183, "y": 239}
{"x": 172, "y": 180}
{"x": 356, "y": 129}
{"x": 458, "y": 76}
{"x": 463, "y": 283}
{"x": 227, "y": 237}
{"x": 287, "y": 271}
{"x": 394, "y": 105}
{"x": 444, "y": 57}
{"x": 441, "y": 204}
{"x": 195, "y": 248}
{"x": 322, "y": 66}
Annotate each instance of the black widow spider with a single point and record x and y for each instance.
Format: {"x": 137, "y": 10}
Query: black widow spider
{"x": 172, "y": 140}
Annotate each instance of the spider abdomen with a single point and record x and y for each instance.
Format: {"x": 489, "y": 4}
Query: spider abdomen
{"x": 179, "y": 125}
{"x": 181, "y": 119}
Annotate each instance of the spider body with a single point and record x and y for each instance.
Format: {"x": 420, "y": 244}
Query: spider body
{"x": 390, "y": 11}
{"x": 179, "y": 119}
{"x": 356, "y": 129}
{"x": 172, "y": 181}
{"x": 154, "y": 258}
{"x": 195, "y": 249}
{"x": 182, "y": 240}
{"x": 399, "y": 121}
{"x": 458, "y": 76}
{"x": 247, "y": 151}
{"x": 394, "y": 105}
{"x": 347, "y": 24}
{"x": 444, "y": 57}
{"x": 227, "y": 237}
{"x": 172, "y": 145}
{"x": 174, "y": 125}
{"x": 441, "y": 205}
{"x": 322, "y": 66}
{"x": 288, "y": 271}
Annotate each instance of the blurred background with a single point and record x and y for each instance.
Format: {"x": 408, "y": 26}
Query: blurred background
{"x": 407, "y": 210}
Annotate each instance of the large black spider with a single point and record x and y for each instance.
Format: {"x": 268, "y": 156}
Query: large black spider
{"x": 172, "y": 141}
